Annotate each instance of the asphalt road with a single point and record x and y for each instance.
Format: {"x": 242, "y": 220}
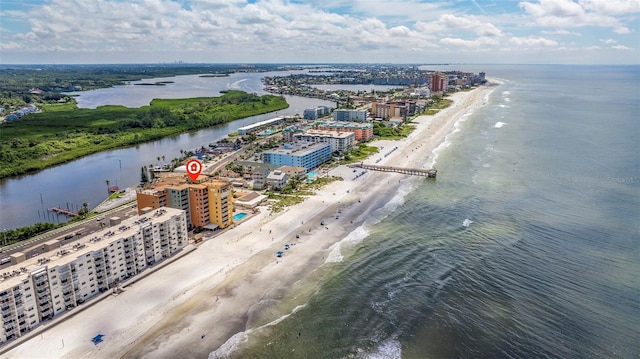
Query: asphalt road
{"x": 69, "y": 233}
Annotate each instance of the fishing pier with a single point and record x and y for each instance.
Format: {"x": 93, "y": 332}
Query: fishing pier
{"x": 430, "y": 173}
{"x": 63, "y": 211}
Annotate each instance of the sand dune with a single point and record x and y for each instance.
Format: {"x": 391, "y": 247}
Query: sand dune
{"x": 228, "y": 284}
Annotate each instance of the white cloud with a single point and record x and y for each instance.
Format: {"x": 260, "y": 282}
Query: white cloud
{"x": 568, "y": 14}
{"x": 592, "y": 48}
{"x": 302, "y": 31}
{"x": 608, "y": 41}
{"x": 560, "y": 32}
{"x": 533, "y": 42}
{"x": 448, "y": 22}
{"x": 612, "y": 7}
{"x": 621, "y": 47}
{"x": 481, "y": 41}
{"x": 556, "y": 8}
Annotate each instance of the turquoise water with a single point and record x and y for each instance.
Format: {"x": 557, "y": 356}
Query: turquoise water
{"x": 239, "y": 216}
{"x": 549, "y": 174}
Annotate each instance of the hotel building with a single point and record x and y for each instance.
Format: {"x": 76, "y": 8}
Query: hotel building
{"x": 299, "y": 154}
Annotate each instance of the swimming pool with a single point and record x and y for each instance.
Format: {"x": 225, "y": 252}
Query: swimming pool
{"x": 239, "y": 216}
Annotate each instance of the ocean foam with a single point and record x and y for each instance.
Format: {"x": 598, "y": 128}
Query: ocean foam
{"x": 233, "y": 343}
{"x": 356, "y": 236}
{"x": 499, "y": 124}
{"x": 388, "y": 349}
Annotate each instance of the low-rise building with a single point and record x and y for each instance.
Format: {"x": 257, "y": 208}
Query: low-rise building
{"x": 277, "y": 179}
{"x": 362, "y": 131}
{"x": 340, "y": 142}
{"x": 350, "y": 115}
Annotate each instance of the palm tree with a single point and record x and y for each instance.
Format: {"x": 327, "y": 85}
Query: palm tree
{"x": 85, "y": 209}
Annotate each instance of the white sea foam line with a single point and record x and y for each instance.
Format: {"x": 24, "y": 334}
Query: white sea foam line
{"x": 456, "y": 128}
{"x": 356, "y": 236}
{"x": 233, "y": 343}
{"x": 388, "y": 349}
{"x": 360, "y": 233}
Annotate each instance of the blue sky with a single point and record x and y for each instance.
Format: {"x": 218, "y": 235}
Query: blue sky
{"x": 320, "y": 31}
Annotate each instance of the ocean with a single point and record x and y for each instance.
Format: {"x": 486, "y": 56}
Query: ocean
{"x": 526, "y": 246}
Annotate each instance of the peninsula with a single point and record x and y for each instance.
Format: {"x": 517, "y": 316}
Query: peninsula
{"x": 45, "y": 139}
{"x": 233, "y": 285}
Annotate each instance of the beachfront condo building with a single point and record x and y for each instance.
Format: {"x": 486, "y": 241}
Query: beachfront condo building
{"x": 178, "y": 197}
{"x": 438, "y": 82}
{"x": 199, "y": 205}
{"x": 207, "y": 203}
{"x": 304, "y": 155}
{"x": 153, "y": 198}
{"x": 340, "y": 142}
{"x": 220, "y": 203}
{"x": 37, "y": 289}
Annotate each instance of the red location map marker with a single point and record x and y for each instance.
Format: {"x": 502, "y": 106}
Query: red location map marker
{"x": 194, "y": 167}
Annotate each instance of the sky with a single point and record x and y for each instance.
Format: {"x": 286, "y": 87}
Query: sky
{"x": 320, "y": 31}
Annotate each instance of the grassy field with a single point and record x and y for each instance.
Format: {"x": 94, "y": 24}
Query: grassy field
{"x": 64, "y": 133}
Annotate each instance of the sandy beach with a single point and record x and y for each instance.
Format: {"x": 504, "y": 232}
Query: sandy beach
{"x": 234, "y": 282}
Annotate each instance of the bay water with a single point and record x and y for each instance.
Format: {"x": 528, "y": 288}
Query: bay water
{"x": 526, "y": 246}
{"x": 25, "y": 200}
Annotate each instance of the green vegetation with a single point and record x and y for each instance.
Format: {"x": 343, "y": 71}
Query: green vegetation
{"x": 23, "y": 233}
{"x": 296, "y": 193}
{"x": 438, "y": 104}
{"x": 360, "y": 153}
{"x": 115, "y": 195}
{"x": 282, "y": 201}
{"x": 45, "y": 139}
{"x": 392, "y": 133}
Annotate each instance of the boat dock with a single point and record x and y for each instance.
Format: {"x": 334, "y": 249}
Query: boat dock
{"x": 63, "y": 211}
{"x": 430, "y": 173}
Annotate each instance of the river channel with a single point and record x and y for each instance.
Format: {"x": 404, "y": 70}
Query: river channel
{"x": 24, "y": 200}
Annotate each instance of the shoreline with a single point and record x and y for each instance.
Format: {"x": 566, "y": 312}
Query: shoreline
{"x": 233, "y": 282}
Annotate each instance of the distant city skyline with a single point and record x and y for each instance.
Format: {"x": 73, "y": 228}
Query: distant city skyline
{"x": 313, "y": 31}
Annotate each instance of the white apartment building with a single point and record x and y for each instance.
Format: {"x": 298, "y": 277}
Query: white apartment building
{"x": 40, "y": 288}
{"x": 340, "y": 141}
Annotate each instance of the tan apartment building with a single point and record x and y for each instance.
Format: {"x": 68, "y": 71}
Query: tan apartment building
{"x": 199, "y": 205}
{"x": 151, "y": 198}
{"x": 220, "y": 203}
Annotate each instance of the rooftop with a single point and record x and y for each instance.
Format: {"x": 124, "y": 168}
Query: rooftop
{"x": 64, "y": 254}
